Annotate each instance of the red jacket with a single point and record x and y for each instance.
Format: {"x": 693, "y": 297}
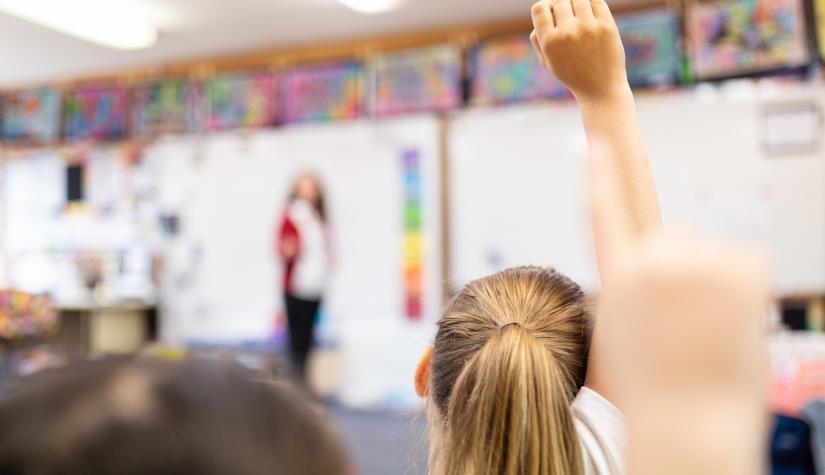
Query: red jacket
{"x": 287, "y": 232}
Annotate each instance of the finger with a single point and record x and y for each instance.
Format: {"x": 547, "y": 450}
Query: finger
{"x": 583, "y": 9}
{"x": 601, "y": 10}
{"x": 542, "y": 17}
{"x": 534, "y": 39}
{"x": 611, "y": 218}
{"x": 562, "y": 12}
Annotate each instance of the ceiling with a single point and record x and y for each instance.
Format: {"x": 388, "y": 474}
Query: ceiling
{"x": 191, "y": 29}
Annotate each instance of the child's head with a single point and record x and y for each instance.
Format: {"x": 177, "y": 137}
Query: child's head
{"x": 508, "y": 359}
{"x": 147, "y": 417}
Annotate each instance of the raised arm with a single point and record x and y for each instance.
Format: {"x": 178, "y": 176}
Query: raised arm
{"x": 578, "y": 41}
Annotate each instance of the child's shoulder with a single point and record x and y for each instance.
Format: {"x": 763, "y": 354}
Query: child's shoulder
{"x": 601, "y": 430}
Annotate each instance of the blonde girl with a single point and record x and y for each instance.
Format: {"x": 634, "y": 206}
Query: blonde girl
{"x": 511, "y": 386}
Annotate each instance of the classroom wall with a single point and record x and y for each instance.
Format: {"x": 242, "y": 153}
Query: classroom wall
{"x": 230, "y": 193}
{"x": 517, "y": 183}
{"x": 515, "y": 197}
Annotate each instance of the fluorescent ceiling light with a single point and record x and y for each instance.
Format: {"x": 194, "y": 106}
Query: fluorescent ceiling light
{"x": 104, "y": 22}
{"x": 370, "y": 6}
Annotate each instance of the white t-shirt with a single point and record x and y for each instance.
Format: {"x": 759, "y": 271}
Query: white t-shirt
{"x": 312, "y": 263}
{"x": 601, "y": 430}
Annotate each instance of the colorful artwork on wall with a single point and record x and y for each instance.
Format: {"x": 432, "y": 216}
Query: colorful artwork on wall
{"x": 413, "y": 236}
{"x": 324, "y": 93}
{"x": 420, "y": 80}
{"x": 736, "y": 37}
{"x": 650, "y": 42}
{"x": 165, "y": 106}
{"x": 507, "y": 70}
{"x": 31, "y": 116}
{"x": 98, "y": 113}
{"x": 239, "y": 100}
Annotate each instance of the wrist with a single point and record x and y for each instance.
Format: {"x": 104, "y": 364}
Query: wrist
{"x": 617, "y": 94}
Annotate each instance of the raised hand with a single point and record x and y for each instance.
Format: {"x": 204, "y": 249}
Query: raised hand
{"x": 578, "y": 41}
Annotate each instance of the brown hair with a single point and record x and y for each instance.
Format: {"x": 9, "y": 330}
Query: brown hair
{"x": 319, "y": 204}
{"x": 508, "y": 359}
{"x": 137, "y": 417}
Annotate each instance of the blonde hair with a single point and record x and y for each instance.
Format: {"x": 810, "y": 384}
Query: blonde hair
{"x": 508, "y": 359}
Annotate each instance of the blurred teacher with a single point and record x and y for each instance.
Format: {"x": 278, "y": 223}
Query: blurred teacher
{"x": 303, "y": 245}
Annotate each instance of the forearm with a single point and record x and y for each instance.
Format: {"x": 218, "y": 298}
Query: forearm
{"x": 612, "y": 129}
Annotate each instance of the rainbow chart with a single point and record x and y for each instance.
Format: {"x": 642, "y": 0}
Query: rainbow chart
{"x": 422, "y": 80}
{"x": 413, "y": 236}
{"x": 324, "y": 93}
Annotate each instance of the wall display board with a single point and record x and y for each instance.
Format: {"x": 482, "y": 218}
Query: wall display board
{"x": 31, "y": 116}
{"x": 98, "y": 113}
{"x": 237, "y": 100}
{"x": 735, "y": 37}
{"x": 651, "y": 41}
{"x": 324, "y": 93}
{"x": 165, "y": 106}
{"x": 418, "y": 80}
{"x": 507, "y": 70}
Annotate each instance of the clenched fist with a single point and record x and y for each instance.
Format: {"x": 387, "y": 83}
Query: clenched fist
{"x": 578, "y": 41}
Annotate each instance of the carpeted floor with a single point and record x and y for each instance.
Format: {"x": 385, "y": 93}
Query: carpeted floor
{"x": 383, "y": 443}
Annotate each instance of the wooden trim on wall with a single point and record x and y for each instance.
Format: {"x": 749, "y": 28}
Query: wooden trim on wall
{"x": 445, "y": 207}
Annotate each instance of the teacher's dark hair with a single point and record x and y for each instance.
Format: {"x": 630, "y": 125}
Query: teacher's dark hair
{"x": 139, "y": 417}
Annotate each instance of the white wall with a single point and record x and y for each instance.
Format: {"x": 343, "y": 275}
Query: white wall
{"x": 516, "y": 198}
{"x": 230, "y": 196}
{"x": 517, "y": 189}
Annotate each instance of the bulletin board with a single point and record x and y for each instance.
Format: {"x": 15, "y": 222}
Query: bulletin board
{"x": 167, "y": 105}
{"x": 651, "y": 41}
{"x": 517, "y": 193}
{"x": 734, "y": 37}
{"x": 98, "y": 113}
{"x": 322, "y": 93}
{"x": 416, "y": 80}
{"x": 244, "y": 99}
{"x": 229, "y": 191}
{"x": 31, "y": 117}
{"x": 507, "y": 70}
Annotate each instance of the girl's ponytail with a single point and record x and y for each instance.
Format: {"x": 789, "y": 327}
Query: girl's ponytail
{"x": 515, "y": 370}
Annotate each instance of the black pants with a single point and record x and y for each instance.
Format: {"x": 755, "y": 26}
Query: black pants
{"x": 300, "y": 315}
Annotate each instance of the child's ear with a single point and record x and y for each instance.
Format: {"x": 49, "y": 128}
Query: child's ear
{"x": 422, "y": 373}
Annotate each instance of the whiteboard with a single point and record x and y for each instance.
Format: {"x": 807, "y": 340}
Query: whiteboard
{"x": 515, "y": 192}
{"x": 516, "y": 184}
{"x": 230, "y": 191}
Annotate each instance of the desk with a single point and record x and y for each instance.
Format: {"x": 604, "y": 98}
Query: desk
{"x": 119, "y": 328}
